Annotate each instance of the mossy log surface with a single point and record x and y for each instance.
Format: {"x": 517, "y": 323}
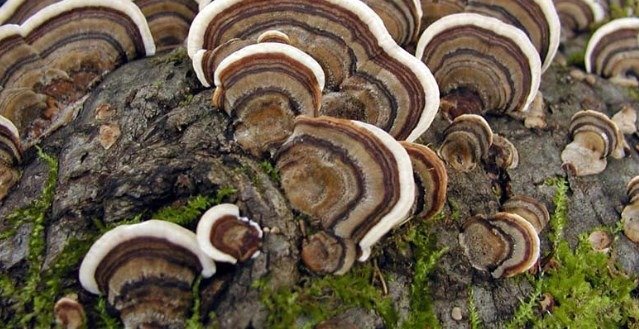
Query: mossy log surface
{"x": 173, "y": 145}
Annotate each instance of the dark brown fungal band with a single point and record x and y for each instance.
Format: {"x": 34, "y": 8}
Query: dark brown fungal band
{"x": 263, "y": 87}
{"x": 594, "y": 137}
{"x": 613, "y": 50}
{"x": 10, "y": 156}
{"x": 349, "y": 41}
{"x": 576, "y": 16}
{"x": 480, "y": 64}
{"x": 504, "y": 244}
{"x": 353, "y": 177}
{"x": 169, "y": 20}
{"x": 402, "y": 18}
{"x": 630, "y": 213}
{"x": 436, "y": 9}
{"x": 431, "y": 180}
{"x": 324, "y": 253}
{"x": 225, "y": 236}
{"x": 529, "y": 209}
{"x": 503, "y": 153}
{"x": 466, "y": 142}
{"x": 69, "y": 314}
{"x": 18, "y": 11}
{"x": 632, "y": 190}
{"x": 146, "y": 271}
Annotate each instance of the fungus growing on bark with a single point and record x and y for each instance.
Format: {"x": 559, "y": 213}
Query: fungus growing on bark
{"x": 630, "y": 213}
{"x": 324, "y": 253}
{"x": 10, "y": 156}
{"x": 626, "y": 119}
{"x": 69, "y": 314}
{"x": 402, "y": 18}
{"x": 18, "y": 11}
{"x": 431, "y": 180}
{"x": 529, "y": 209}
{"x": 388, "y": 87}
{"x": 503, "y": 153}
{"x": 146, "y": 271}
{"x": 480, "y": 64}
{"x": 169, "y": 20}
{"x": 436, "y": 9}
{"x": 225, "y": 236}
{"x": 613, "y": 51}
{"x": 594, "y": 137}
{"x": 352, "y": 177}
{"x": 263, "y": 87}
{"x": 577, "y": 15}
{"x": 466, "y": 142}
{"x": 503, "y": 244}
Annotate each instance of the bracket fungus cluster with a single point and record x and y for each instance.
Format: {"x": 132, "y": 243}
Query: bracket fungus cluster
{"x": 225, "y": 236}
{"x": 506, "y": 243}
{"x": 481, "y": 64}
{"x": 630, "y": 213}
{"x": 402, "y": 18}
{"x": 594, "y": 138}
{"x": 577, "y": 15}
{"x": 69, "y": 313}
{"x": 146, "y": 271}
{"x": 466, "y": 142}
{"x": 18, "y": 11}
{"x": 613, "y": 51}
{"x": 10, "y": 156}
{"x": 377, "y": 81}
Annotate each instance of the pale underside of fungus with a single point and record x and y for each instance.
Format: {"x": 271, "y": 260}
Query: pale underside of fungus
{"x": 466, "y": 142}
{"x": 263, "y": 87}
{"x": 594, "y": 138}
{"x": 352, "y": 177}
{"x": 225, "y": 236}
{"x": 481, "y": 64}
{"x": 613, "y": 50}
{"x": 54, "y": 57}
{"x": 577, "y": 15}
{"x": 146, "y": 271}
{"x": 503, "y": 244}
{"x": 376, "y": 80}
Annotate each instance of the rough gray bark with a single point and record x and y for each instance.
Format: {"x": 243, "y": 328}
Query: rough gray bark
{"x": 173, "y": 145}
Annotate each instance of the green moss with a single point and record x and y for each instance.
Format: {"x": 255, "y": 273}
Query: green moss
{"x": 318, "y": 299}
{"x": 271, "y": 171}
{"x": 473, "y": 314}
{"x": 105, "y": 320}
{"x": 188, "y": 214}
{"x": 194, "y": 322}
{"x": 576, "y": 58}
{"x": 188, "y": 98}
{"x": 526, "y": 310}
{"x": 176, "y": 57}
{"x": 426, "y": 255}
{"x": 560, "y": 215}
{"x": 455, "y": 212}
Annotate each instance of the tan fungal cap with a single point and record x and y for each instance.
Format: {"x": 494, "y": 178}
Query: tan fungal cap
{"x": 626, "y": 120}
{"x": 613, "y": 50}
{"x": 69, "y": 314}
{"x": 436, "y": 9}
{"x": 431, "y": 180}
{"x": 225, "y": 236}
{"x": 630, "y": 213}
{"x": 18, "y": 11}
{"x": 169, "y": 20}
{"x": 146, "y": 271}
{"x": 503, "y": 152}
{"x": 351, "y": 176}
{"x": 466, "y": 142}
{"x": 10, "y": 156}
{"x": 324, "y": 253}
{"x": 600, "y": 241}
{"x": 577, "y": 15}
{"x": 632, "y": 190}
{"x": 594, "y": 137}
{"x": 529, "y": 209}
{"x": 504, "y": 244}
{"x": 481, "y": 64}
{"x": 263, "y": 87}
{"x": 274, "y": 36}
{"x": 391, "y": 89}
{"x": 402, "y": 18}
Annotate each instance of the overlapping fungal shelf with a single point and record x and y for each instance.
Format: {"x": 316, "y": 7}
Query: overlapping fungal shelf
{"x": 384, "y": 85}
{"x": 577, "y": 15}
{"x": 613, "y": 50}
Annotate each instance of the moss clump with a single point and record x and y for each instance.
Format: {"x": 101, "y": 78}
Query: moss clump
{"x": 105, "y": 320}
{"x": 560, "y": 215}
{"x": 475, "y": 319}
{"x": 269, "y": 170}
{"x": 318, "y": 299}
{"x": 194, "y": 322}
{"x": 426, "y": 255}
{"x": 526, "y": 310}
{"x": 194, "y": 208}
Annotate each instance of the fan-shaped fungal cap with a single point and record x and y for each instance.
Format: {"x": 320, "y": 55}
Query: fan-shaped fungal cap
{"x": 529, "y": 209}
{"x": 325, "y": 253}
{"x": 10, "y": 156}
{"x": 393, "y": 90}
{"x": 481, "y": 64}
{"x": 146, "y": 271}
{"x": 431, "y": 180}
{"x": 226, "y": 237}
{"x": 630, "y": 221}
{"x": 613, "y": 50}
{"x": 18, "y": 11}
{"x": 353, "y": 177}
{"x": 632, "y": 190}
{"x": 69, "y": 314}
{"x": 436, "y": 9}
{"x": 169, "y": 20}
{"x": 503, "y": 153}
{"x": 577, "y": 15}
{"x": 504, "y": 244}
{"x": 626, "y": 120}
{"x": 19, "y": 62}
{"x": 263, "y": 87}
{"x": 594, "y": 138}
{"x": 466, "y": 142}
{"x": 402, "y": 18}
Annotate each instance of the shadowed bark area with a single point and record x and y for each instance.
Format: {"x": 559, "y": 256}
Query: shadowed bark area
{"x": 147, "y": 137}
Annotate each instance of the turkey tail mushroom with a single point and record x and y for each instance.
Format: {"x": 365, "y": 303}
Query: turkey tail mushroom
{"x": 169, "y": 20}
{"x": 402, "y": 18}
{"x": 10, "y": 156}
{"x": 480, "y": 64}
{"x": 18, "y": 11}
{"x": 351, "y": 176}
{"x": 529, "y": 209}
{"x": 146, "y": 271}
{"x": 576, "y": 16}
{"x": 387, "y": 86}
{"x": 613, "y": 51}
{"x": 466, "y": 142}
{"x": 630, "y": 213}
